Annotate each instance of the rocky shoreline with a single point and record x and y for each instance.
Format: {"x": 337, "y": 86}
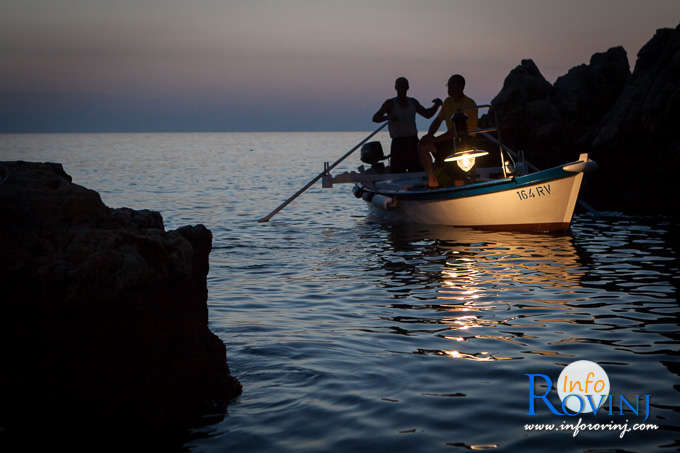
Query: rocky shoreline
{"x": 104, "y": 313}
{"x": 626, "y": 121}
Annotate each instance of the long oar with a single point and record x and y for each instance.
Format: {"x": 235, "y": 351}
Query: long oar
{"x": 310, "y": 183}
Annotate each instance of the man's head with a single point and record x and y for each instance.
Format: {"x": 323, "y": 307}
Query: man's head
{"x": 401, "y": 85}
{"x": 456, "y": 84}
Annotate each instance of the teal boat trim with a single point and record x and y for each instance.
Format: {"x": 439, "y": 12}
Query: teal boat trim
{"x": 481, "y": 188}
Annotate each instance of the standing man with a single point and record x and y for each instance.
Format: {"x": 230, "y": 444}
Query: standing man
{"x": 442, "y": 146}
{"x": 401, "y": 114}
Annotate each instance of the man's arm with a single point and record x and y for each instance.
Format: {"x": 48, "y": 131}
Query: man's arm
{"x": 428, "y": 113}
{"x": 434, "y": 127}
{"x": 448, "y": 135}
{"x": 383, "y": 113}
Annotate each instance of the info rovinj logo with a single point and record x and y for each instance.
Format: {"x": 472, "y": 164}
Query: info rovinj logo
{"x": 583, "y": 388}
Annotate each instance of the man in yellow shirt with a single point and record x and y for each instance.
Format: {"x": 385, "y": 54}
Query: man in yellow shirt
{"x": 442, "y": 146}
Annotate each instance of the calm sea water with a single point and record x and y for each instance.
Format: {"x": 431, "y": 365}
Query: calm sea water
{"x": 349, "y": 335}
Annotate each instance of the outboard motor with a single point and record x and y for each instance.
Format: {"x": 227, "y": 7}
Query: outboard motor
{"x": 372, "y": 154}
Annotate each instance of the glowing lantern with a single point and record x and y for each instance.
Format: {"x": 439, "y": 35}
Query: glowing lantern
{"x": 466, "y": 158}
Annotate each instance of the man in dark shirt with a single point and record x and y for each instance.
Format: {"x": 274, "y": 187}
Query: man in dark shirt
{"x": 401, "y": 114}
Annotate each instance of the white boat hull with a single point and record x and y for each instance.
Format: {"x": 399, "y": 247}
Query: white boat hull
{"x": 542, "y": 201}
{"x": 540, "y": 210}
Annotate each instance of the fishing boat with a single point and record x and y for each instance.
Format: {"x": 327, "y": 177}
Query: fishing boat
{"x": 508, "y": 197}
{"x": 514, "y": 195}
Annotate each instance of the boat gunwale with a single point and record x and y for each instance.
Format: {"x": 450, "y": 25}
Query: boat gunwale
{"x": 481, "y": 188}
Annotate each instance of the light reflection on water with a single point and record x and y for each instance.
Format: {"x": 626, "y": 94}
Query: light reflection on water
{"x": 425, "y": 307}
{"x": 352, "y": 335}
{"x": 478, "y": 271}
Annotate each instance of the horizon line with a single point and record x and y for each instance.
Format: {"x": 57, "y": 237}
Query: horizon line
{"x": 189, "y": 131}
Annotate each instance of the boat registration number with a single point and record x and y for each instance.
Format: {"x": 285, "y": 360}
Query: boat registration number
{"x": 534, "y": 192}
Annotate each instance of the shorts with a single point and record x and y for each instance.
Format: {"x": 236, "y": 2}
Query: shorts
{"x": 404, "y": 155}
{"x": 444, "y": 150}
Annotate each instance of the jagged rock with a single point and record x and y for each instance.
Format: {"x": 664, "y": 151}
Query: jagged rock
{"x": 586, "y": 93}
{"x": 626, "y": 122}
{"x": 524, "y": 111}
{"x": 637, "y": 144}
{"x": 525, "y": 83}
{"x": 103, "y": 313}
{"x": 552, "y": 124}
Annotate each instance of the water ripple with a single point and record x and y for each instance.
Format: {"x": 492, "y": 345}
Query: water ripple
{"x": 352, "y": 335}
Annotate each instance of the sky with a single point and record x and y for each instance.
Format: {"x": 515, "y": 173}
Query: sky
{"x": 286, "y": 65}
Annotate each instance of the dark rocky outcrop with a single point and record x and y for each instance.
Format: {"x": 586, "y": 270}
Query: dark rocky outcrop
{"x": 103, "y": 313}
{"x": 586, "y": 93}
{"x": 549, "y": 121}
{"x": 625, "y": 121}
{"x": 637, "y": 143}
{"x": 526, "y": 115}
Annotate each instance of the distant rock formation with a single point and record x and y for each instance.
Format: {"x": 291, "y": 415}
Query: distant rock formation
{"x": 626, "y": 122}
{"x": 548, "y": 121}
{"x": 637, "y": 143}
{"x": 103, "y": 313}
{"x": 529, "y": 120}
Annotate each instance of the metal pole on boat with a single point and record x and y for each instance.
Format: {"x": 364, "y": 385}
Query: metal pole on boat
{"x": 493, "y": 139}
{"x": 500, "y": 142}
{"x": 581, "y": 203}
{"x": 319, "y": 176}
